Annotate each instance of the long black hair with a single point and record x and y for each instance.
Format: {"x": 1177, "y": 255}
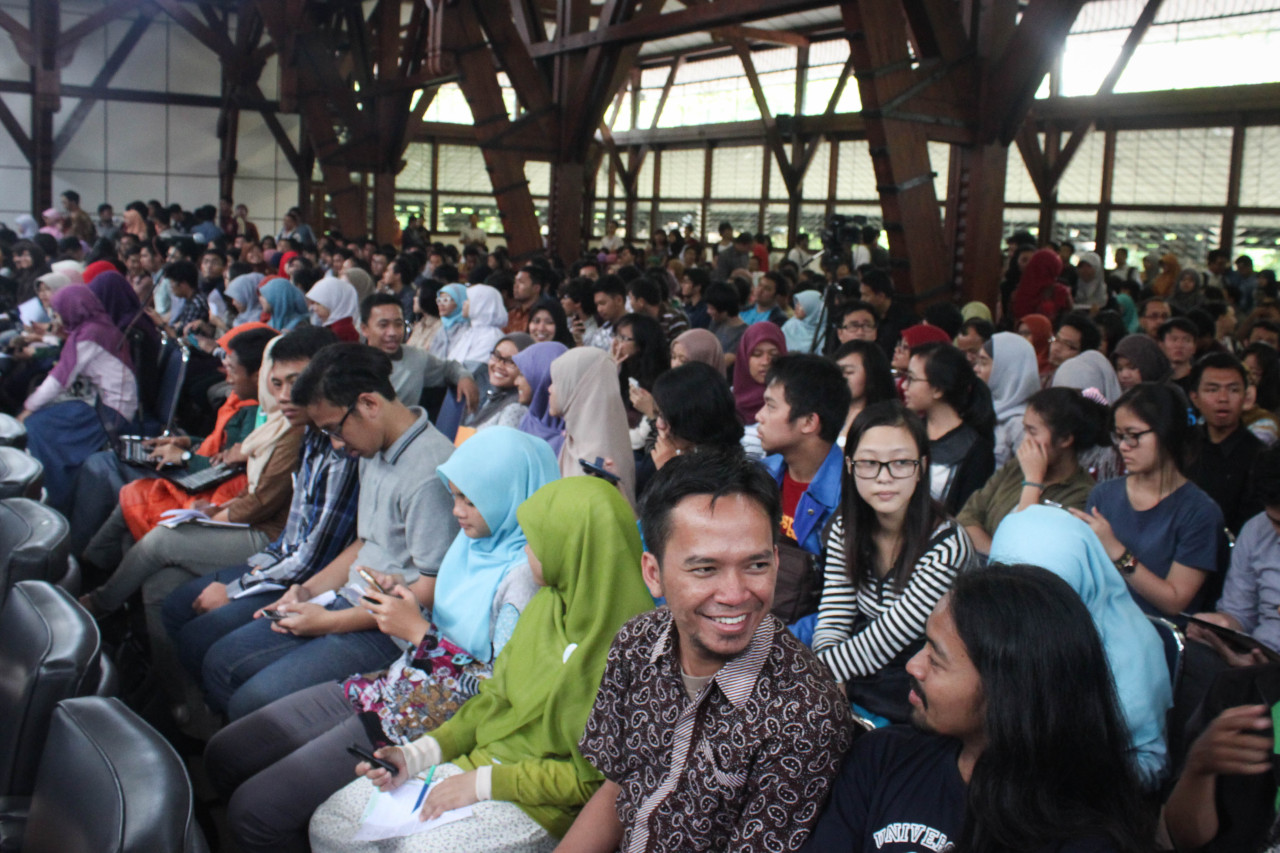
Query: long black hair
{"x": 1056, "y": 764}
{"x": 1268, "y": 385}
{"x": 698, "y": 406}
{"x": 859, "y": 519}
{"x": 1167, "y": 413}
{"x": 653, "y": 354}
{"x": 948, "y": 370}
{"x": 875, "y": 365}
{"x": 1067, "y": 412}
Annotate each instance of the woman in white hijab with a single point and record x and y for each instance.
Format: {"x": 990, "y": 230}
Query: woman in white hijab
{"x": 335, "y": 305}
{"x": 1008, "y": 364}
{"x": 488, "y": 315}
{"x": 1091, "y": 283}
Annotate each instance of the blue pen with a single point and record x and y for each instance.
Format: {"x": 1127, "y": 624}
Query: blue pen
{"x": 426, "y": 785}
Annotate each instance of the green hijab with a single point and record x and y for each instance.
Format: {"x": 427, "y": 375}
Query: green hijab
{"x": 545, "y": 680}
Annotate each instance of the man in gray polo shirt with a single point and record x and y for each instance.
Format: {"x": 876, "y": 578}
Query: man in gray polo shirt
{"x": 404, "y": 527}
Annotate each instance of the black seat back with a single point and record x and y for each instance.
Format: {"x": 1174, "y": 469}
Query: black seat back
{"x": 49, "y": 651}
{"x": 109, "y": 783}
{"x": 21, "y": 474}
{"x": 33, "y": 543}
{"x": 12, "y": 432}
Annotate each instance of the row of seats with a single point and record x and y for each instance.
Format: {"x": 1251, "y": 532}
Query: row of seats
{"x": 78, "y": 770}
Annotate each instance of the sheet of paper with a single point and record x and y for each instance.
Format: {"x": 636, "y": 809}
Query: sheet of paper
{"x": 174, "y": 517}
{"x": 32, "y": 311}
{"x": 323, "y": 598}
{"x": 392, "y": 815}
{"x": 264, "y": 586}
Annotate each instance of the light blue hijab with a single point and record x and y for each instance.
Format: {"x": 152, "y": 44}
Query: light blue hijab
{"x": 498, "y": 469}
{"x": 1057, "y": 541}
{"x": 288, "y": 305}
{"x": 799, "y": 333}
{"x": 458, "y": 293}
{"x": 244, "y": 289}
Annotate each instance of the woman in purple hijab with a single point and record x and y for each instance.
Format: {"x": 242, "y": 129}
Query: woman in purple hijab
{"x": 534, "y": 384}
{"x": 122, "y": 306}
{"x": 92, "y": 383}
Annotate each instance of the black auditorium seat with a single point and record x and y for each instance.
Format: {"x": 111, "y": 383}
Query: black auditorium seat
{"x": 50, "y": 650}
{"x": 12, "y": 432}
{"x": 33, "y": 544}
{"x": 21, "y": 474}
{"x": 109, "y": 783}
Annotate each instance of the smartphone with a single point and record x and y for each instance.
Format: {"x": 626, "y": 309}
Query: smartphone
{"x": 368, "y": 578}
{"x": 276, "y": 615}
{"x": 633, "y": 382}
{"x": 365, "y": 755}
{"x": 597, "y": 469}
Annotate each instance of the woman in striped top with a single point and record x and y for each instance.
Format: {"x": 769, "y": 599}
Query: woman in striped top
{"x": 891, "y": 555}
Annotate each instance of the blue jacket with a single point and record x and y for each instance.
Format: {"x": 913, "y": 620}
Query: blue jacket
{"x": 819, "y": 501}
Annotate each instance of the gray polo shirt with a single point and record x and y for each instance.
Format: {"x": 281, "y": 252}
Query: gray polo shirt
{"x": 405, "y": 517}
{"x": 415, "y": 369}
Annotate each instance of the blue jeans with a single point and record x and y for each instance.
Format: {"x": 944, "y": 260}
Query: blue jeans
{"x": 253, "y": 666}
{"x": 193, "y": 633}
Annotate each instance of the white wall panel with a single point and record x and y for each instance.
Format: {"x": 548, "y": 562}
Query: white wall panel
{"x": 191, "y": 192}
{"x": 136, "y": 137}
{"x": 260, "y": 196}
{"x": 193, "y": 68}
{"x": 92, "y": 186}
{"x": 256, "y": 149}
{"x": 145, "y": 67}
{"x": 20, "y": 106}
{"x": 193, "y": 141}
{"x": 126, "y": 187}
{"x": 90, "y": 56}
{"x": 87, "y": 149}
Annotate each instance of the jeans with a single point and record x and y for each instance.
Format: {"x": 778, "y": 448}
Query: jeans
{"x": 253, "y": 666}
{"x": 193, "y": 633}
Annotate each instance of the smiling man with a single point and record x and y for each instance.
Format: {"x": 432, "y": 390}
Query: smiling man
{"x": 714, "y": 727}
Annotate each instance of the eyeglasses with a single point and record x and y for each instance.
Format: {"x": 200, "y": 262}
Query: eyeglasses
{"x": 625, "y": 339}
{"x": 869, "y": 469}
{"x": 1129, "y": 439}
{"x": 501, "y": 359}
{"x": 1064, "y": 343}
{"x": 1160, "y": 317}
{"x": 907, "y": 379}
{"x": 336, "y": 432}
{"x": 858, "y": 327}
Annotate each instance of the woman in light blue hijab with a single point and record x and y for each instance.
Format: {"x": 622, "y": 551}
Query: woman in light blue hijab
{"x": 453, "y": 320}
{"x": 496, "y": 470}
{"x": 802, "y": 330}
{"x": 1053, "y": 539}
{"x": 286, "y": 304}
{"x": 243, "y": 292}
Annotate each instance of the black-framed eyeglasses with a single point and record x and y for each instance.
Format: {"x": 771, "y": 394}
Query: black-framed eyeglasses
{"x": 869, "y": 469}
{"x": 1129, "y": 439}
{"x": 502, "y": 359}
{"x": 336, "y": 432}
{"x": 858, "y": 327}
{"x": 907, "y": 379}
{"x": 1074, "y": 347}
{"x": 626, "y": 339}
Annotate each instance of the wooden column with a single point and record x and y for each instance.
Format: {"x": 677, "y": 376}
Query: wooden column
{"x": 566, "y": 208}
{"x": 46, "y": 100}
{"x": 1231, "y": 211}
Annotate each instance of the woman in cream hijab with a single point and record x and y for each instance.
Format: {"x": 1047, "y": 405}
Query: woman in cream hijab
{"x": 584, "y": 391}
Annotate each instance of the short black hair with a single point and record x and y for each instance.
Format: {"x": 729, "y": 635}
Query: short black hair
{"x": 699, "y": 278}
{"x": 71, "y": 196}
{"x": 340, "y": 373}
{"x": 852, "y": 306}
{"x": 373, "y": 300}
{"x": 1090, "y": 337}
{"x": 645, "y": 288}
{"x": 979, "y": 326}
{"x": 722, "y": 297}
{"x": 1217, "y": 361}
{"x": 715, "y": 472}
{"x": 184, "y": 272}
{"x": 306, "y": 278}
{"x": 542, "y": 276}
{"x": 610, "y": 284}
{"x": 302, "y": 343}
{"x": 1181, "y": 324}
{"x": 946, "y": 316}
{"x": 813, "y": 385}
{"x": 878, "y": 281}
{"x": 249, "y": 346}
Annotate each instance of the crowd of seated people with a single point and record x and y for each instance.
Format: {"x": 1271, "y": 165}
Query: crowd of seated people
{"x": 686, "y": 546}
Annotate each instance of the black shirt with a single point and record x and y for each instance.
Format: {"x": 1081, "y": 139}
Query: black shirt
{"x": 1224, "y": 470}
{"x": 897, "y": 318}
{"x": 900, "y": 791}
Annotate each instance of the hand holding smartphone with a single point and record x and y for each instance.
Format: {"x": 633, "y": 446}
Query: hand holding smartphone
{"x": 368, "y": 578}
{"x": 365, "y": 755}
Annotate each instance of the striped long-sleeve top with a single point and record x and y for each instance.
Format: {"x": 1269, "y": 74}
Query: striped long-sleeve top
{"x": 893, "y": 620}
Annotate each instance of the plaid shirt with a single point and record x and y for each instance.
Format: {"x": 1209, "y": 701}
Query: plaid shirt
{"x": 196, "y": 308}
{"x": 322, "y": 516}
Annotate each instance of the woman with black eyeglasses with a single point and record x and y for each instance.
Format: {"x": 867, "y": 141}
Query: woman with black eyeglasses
{"x": 892, "y": 553}
{"x": 1161, "y": 530}
{"x": 500, "y": 403}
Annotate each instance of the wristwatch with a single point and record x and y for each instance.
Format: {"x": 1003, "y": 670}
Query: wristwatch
{"x": 1126, "y": 562}
{"x": 186, "y": 456}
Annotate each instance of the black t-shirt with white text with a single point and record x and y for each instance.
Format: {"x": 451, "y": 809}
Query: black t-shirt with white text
{"x": 900, "y": 791}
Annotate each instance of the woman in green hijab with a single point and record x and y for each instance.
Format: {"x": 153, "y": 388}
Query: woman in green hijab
{"x": 512, "y": 750}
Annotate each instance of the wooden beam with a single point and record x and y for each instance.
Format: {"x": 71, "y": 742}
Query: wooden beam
{"x": 773, "y": 138}
{"x": 936, "y": 29}
{"x": 218, "y": 42}
{"x": 1010, "y": 84}
{"x": 1232, "y": 209}
{"x": 21, "y": 37}
{"x": 695, "y": 19}
{"x": 101, "y": 80}
{"x": 11, "y": 124}
{"x": 74, "y": 34}
{"x": 755, "y": 34}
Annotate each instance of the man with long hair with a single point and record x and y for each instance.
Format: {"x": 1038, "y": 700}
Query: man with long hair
{"x": 1017, "y": 742}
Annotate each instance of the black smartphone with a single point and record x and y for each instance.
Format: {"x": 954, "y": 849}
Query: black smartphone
{"x": 365, "y": 755}
{"x": 276, "y": 615}
{"x": 597, "y": 469}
